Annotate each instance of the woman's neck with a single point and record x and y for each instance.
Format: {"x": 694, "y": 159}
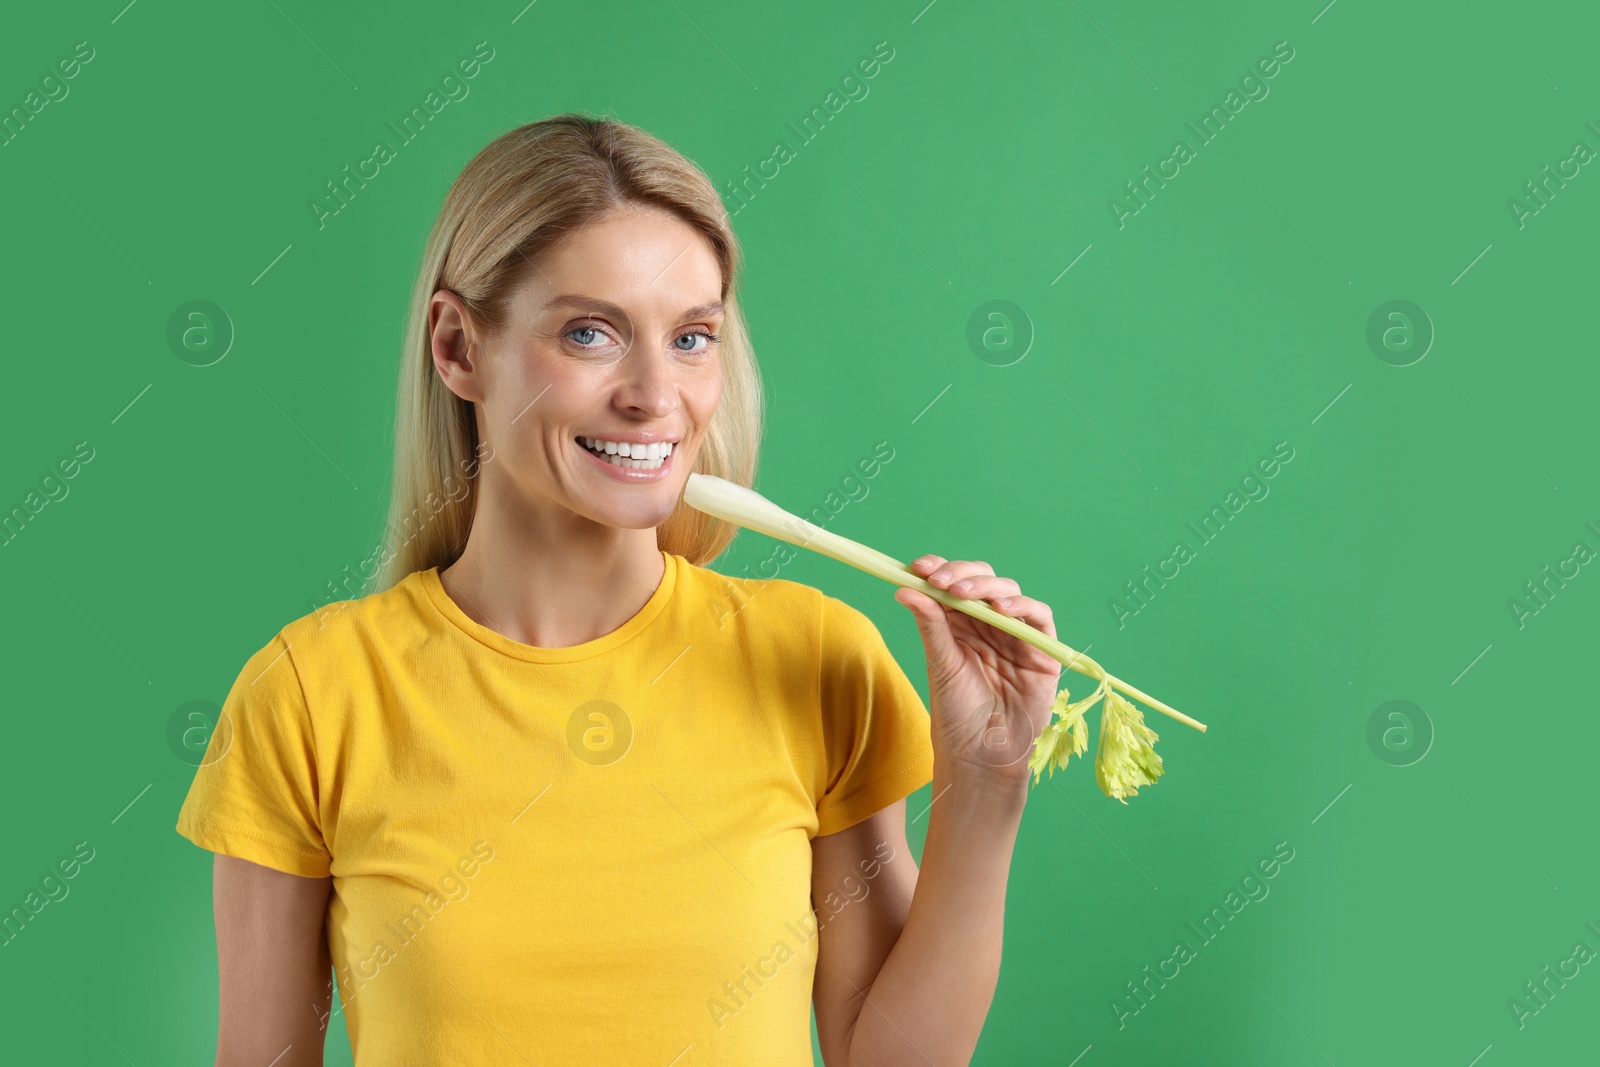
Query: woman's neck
{"x": 552, "y": 579}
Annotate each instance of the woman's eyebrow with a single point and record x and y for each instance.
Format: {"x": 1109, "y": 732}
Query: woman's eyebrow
{"x": 606, "y": 307}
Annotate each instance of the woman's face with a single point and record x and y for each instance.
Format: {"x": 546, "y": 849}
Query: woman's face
{"x": 609, "y": 344}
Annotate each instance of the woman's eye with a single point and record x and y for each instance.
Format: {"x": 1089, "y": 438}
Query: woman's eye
{"x": 585, "y": 336}
{"x": 709, "y": 338}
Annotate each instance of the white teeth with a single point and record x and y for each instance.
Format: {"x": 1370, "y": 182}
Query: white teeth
{"x": 658, "y": 450}
{"x": 631, "y": 456}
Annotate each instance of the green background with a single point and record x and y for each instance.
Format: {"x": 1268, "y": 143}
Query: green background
{"x": 1180, "y": 347}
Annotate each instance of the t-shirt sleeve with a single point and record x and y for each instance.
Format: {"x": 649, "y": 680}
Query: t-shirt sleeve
{"x": 875, "y": 725}
{"x": 254, "y": 795}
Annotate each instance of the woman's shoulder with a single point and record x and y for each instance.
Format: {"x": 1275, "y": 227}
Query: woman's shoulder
{"x": 782, "y": 604}
{"x": 338, "y": 622}
{"x": 752, "y": 598}
{"x": 324, "y": 650}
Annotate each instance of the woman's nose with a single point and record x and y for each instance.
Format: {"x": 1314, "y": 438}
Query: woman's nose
{"x": 646, "y": 383}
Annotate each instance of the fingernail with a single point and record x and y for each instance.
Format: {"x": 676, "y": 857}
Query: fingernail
{"x": 961, "y": 586}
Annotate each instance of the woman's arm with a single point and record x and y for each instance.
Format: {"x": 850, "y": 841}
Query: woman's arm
{"x": 906, "y": 969}
{"x": 273, "y": 967}
{"x": 862, "y": 881}
{"x": 911, "y": 981}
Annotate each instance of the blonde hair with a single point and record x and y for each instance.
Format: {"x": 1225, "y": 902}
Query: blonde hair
{"x": 516, "y": 198}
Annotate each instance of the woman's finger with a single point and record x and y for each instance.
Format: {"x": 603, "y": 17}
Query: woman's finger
{"x": 984, "y": 587}
{"x": 954, "y": 570}
{"x": 943, "y": 657}
{"x": 1035, "y": 613}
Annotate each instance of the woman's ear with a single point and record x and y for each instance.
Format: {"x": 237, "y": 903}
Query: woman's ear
{"x": 454, "y": 340}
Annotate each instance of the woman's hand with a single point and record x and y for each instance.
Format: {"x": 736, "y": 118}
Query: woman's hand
{"x": 989, "y": 693}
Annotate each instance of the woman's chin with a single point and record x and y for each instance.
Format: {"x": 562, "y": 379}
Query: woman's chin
{"x": 635, "y": 515}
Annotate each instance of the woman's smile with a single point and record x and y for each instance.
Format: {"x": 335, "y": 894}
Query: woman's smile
{"x": 629, "y": 460}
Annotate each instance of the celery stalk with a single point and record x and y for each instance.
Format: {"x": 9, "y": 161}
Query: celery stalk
{"x": 1132, "y": 761}
{"x": 746, "y": 507}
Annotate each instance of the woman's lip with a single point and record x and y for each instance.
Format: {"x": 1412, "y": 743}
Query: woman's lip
{"x": 627, "y": 474}
{"x": 632, "y": 438}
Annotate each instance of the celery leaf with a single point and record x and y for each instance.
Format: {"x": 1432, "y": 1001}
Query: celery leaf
{"x": 1126, "y": 758}
{"x": 1066, "y": 736}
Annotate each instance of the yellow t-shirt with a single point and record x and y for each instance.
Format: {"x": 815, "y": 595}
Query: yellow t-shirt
{"x": 598, "y": 854}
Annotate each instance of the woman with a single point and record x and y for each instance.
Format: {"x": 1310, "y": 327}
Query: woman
{"x": 560, "y": 793}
